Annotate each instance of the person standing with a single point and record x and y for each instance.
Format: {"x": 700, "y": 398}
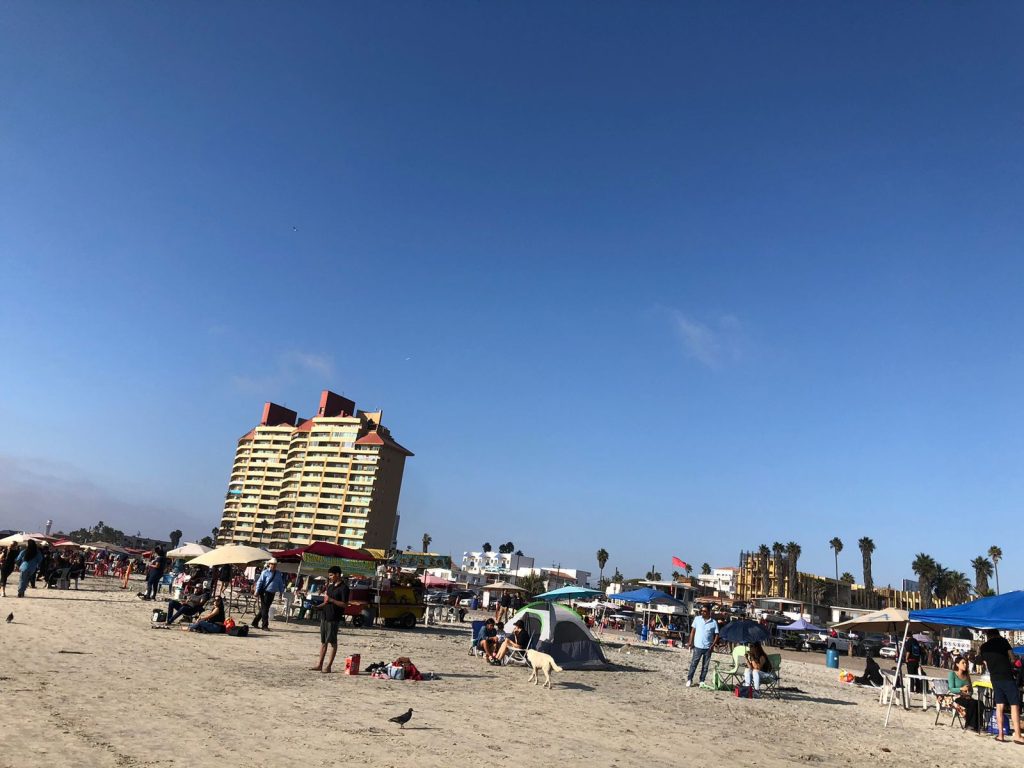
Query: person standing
{"x": 7, "y": 568}
{"x": 703, "y": 638}
{"x": 912, "y": 656}
{"x": 155, "y": 572}
{"x": 28, "y": 563}
{"x": 997, "y": 654}
{"x": 268, "y": 585}
{"x": 331, "y": 612}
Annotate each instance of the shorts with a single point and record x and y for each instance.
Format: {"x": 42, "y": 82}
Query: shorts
{"x": 1006, "y": 692}
{"x": 328, "y": 632}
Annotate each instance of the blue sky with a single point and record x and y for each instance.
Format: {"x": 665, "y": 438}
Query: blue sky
{"x": 666, "y": 278}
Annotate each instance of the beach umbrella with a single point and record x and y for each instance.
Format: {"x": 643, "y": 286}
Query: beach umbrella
{"x": 66, "y": 543}
{"x": 187, "y": 550}
{"x": 569, "y": 593}
{"x": 503, "y": 586}
{"x": 744, "y": 632}
{"x": 232, "y": 554}
{"x": 21, "y": 538}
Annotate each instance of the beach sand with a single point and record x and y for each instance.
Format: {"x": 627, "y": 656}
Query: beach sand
{"x": 85, "y": 681}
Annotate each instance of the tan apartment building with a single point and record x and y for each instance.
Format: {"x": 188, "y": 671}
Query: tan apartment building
{"x": 335, "y": 477}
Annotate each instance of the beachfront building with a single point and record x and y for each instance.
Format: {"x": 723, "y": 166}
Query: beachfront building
{"x": 494, "y": 566}
{"x": 335, "y": 477}
{"x": 721, "y": 582}
{"x": 557, "y": 577}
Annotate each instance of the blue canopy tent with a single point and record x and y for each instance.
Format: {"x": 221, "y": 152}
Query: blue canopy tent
{"x": 800, "y": 625}
{"x": 646, "y": 595}
{"x": 999, "y": 612}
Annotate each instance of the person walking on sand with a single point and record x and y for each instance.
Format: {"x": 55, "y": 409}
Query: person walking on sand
{"x": 331, "y": 612}
{"x": 28, "y": 563}
{"x": 268, "y": 585}
{"x": 998, "y": 656}
{"x": 703, "y": 638}
{"x": 7, "y": 568}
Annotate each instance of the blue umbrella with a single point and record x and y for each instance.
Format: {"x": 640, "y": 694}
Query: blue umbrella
{"x": 743, "y": 632}
{"x": 570, "y": 593}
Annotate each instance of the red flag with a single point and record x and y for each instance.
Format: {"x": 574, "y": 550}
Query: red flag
{"x": 677, "y": 562}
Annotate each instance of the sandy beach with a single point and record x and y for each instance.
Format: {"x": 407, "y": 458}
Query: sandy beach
{"x": 86, "y": 681}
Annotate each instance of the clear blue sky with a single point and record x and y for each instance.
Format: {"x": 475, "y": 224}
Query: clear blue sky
{"x": 666, "y": 278}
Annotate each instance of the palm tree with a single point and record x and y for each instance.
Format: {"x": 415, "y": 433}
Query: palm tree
{"x": 837, "y": 545}
{"x": 688, "y": 569}
{"x": 602, "y": 561}
{"x": 705, "y": 568}
{"x": 867, "y": 547}
{"x": 778, "y": 550}
{"x": 982, "y": 570}
{"x": 175, "y": 537}
{"x": 926, "y": 569}
{"x": 847, "y": 578}
{"x": 793, "y": 552}
{"x": 487, "y": 546}
{"x": 956, "y": 586}
{"x": 763, "y": 553}
{"x": 995, "y": 554}
{"x": 427, "y": 538}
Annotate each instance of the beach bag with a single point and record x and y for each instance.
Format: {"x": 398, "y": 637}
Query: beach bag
{"x": 239, "y": 630}
{"x": 159, "y": 615}
{"x": 396, "y": 672}
{"x": 993, "y": 723}
{"x": 229, "y": 625}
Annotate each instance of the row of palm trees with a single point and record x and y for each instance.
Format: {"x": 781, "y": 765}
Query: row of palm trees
{"x": 939, "y": 582}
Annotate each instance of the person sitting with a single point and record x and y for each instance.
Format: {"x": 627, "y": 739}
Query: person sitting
{"x": 516, "y": 641}
{"x": 961, "y": 689}
{"x": 758, "y": 664}
{"x": 486, "y": 639}
{"x": 872, "y": 673}
{"x": 212, "y": 622}
{"x": 188, "y": 609}
{"x": 500, "y": 635}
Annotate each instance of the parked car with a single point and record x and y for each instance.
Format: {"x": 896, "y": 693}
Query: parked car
{"x": 889, "y": 651}
{"x": 832, "y": 639}
{"x": 871, "y": 645}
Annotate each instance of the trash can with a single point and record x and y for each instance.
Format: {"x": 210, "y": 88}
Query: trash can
{"x": 474, "y": 604}
{"x": 643, "y": 633}
{"x": 832, "y": 658}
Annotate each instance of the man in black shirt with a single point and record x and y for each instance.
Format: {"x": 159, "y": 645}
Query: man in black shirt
{"x": 331, "y": 612}
{"x": 998, "y": 657}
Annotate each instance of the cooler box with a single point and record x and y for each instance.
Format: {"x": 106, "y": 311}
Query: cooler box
{"x": 832, "y": 658}
{"x": 352, "y": 664}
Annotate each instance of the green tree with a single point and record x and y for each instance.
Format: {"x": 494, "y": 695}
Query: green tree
{"x": 175, "y": 537}
{"x": 763, "y": 554}
{"x": 837, "y": 546}
{"x": 705, "y": 569}
{"x": 847, "y": 578}
{"x": 532, "y": 583}
{"x": 426, "y": 542}
{"x": 487, "y": 546}
{"x": 982, "y": 570}
{"x": 602, "y": 561}
{"x": 653, "y": 575}
{"x": 995, "y": 555}
{"x": 793, "y": 552}
{"x": 926, "y": 569}
{"x": 777, "y": 551}
{"x": 206, "y": 541}
{"x": 688, "y": 569}
{"x": 867, "y": 548}
{"x": 617, "y": 577}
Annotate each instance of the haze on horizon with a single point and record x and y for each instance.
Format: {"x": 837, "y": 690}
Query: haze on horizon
{"x": 667, "y": 279}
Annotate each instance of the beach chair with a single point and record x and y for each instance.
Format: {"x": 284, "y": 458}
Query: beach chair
{"x": 770, "y": 681}
{"x": 730, "y": 678}
{"x": 944, "y": 702}
{"x": 517, "y": 656}
{"x": 474, "y": 649}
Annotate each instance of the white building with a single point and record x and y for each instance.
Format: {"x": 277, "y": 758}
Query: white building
{"x": 721, "y": 581}
{"x": 556, "y": 578}
{"x": 494, "y": 566}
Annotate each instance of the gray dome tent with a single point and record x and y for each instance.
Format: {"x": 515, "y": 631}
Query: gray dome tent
{"x": 556, "y": 630}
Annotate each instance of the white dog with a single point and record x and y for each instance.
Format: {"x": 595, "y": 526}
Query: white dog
{"x": 541, "y": 662}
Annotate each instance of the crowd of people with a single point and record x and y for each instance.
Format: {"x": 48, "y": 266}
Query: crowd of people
{"x": 34, "y": 563}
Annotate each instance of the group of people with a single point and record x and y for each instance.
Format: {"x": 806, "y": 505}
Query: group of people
{"x": 496, "y": 644}
{"x": 704, "y": 637}
{"x": 33, "y": 561}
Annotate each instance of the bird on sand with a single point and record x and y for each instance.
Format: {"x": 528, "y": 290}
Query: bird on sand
{"x": 10, "y": 618}
{"x": 401, "y": 719}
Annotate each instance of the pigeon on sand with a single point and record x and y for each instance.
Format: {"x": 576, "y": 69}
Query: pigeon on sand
{"x": 401, "y": 719}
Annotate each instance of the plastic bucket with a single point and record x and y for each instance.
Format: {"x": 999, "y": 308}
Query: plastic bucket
{"x": 832, "y": 658}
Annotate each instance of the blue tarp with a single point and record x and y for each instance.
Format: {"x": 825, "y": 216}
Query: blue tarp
{"x": 645, "y": 595}
{"x": 999, "y": 612}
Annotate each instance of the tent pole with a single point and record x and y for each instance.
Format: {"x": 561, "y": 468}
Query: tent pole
{"x": 898, "y": 680}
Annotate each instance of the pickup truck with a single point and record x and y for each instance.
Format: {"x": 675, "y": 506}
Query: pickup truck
{"x": 832, "y": 640}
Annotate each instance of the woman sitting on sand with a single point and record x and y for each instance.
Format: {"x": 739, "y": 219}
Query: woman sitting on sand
{"x": 212, "y": 622}
{"x": 961, "y": 688}
{"x": 758, "y": 664}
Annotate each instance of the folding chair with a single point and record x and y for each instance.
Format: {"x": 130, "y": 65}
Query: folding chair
{"x": 944, "y": 702}
{"x": 517, "y": 656}
{"x": 770, "y": 681}
{"x": 474, "y": 649}
{"x": 730, "y": 678}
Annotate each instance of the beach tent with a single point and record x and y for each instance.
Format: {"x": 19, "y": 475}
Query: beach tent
{"x": 885, "y": 620}
{"x": 317, "y": 558}
{"x": 106, "y": 546}
{"x": 569, "y": 593}
{"x": 187, "y": 550}
{"x": 430, "y": 580}
{"x": 802, "y": 626}
{"x": 999, "y": 612}
{"x": 570, "y": 642}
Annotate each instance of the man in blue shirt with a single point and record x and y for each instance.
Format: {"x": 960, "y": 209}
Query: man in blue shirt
{"x": 703, "y": 637}
{"x": 268, "y": 585}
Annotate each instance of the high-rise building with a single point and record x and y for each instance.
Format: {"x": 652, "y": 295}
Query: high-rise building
{"x": 334, "y": 477}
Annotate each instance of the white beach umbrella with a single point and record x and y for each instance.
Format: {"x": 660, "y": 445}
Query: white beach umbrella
{"x": 21, "y": 538}
{"x": 187, "y": 550}
{"x": 232, "y": 554}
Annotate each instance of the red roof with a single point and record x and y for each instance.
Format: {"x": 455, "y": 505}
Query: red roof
{"x": 248, "y": 435}
{"x": 374, "y": 438}
{"x": 324, "y": 549}
{"x": 305, "y": 426}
